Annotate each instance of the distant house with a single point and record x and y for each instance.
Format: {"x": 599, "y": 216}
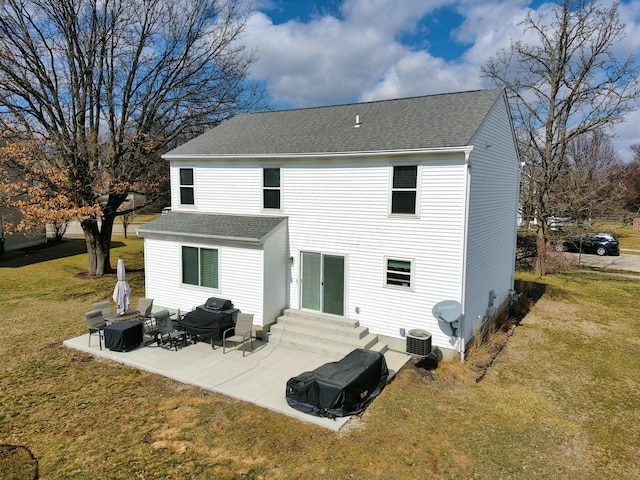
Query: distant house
{"x": 16, "y": 241}
{"x": 372, "y": 212}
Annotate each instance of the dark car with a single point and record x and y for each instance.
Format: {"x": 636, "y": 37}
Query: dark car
{"x": 598, "y": 243}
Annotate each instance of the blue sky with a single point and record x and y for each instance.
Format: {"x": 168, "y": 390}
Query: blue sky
{"x": 336, "y": 51}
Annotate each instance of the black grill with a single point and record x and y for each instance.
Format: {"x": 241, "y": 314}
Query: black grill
{"x": 209, "y": 321}
{"x": 214, "y": 303}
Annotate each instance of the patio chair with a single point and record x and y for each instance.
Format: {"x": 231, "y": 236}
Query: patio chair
{"x": 242, "y": 332}
{"x": 167, "y": 333}
{"x": 144, "y": 307}
{"x": 96, "y": 324}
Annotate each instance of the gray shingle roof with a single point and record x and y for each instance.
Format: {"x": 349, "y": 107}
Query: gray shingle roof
{"x": 231, "y": 227}
{"x": 434, "y": 121}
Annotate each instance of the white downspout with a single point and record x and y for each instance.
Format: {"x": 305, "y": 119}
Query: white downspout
{"x": 461, "y": 327}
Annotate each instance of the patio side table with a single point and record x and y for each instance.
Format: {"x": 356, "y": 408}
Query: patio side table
{"x": 123, "y": 336}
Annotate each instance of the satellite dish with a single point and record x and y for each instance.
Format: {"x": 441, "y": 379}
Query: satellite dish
{"x": 449, "y": 312}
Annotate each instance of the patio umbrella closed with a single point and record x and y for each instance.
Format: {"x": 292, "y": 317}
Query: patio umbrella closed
{"x": 122, "y": 291}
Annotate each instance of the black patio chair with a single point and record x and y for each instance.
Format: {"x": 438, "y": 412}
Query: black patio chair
{"x": 167, "y": 332}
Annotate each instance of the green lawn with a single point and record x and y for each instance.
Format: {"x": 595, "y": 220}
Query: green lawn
{"x": 561, "y": 400}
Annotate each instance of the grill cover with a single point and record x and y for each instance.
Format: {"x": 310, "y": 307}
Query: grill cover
{"x": 339, "y": 389}
{"x": 207, "y": 324}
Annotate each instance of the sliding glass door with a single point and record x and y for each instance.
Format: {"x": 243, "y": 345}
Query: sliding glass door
{"x": 323, "y": 283}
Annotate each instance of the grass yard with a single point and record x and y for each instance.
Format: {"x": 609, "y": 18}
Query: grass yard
{"x": 561, "y": 400}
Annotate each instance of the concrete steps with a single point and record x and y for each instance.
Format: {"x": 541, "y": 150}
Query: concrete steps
{"x": 324, "y": 334}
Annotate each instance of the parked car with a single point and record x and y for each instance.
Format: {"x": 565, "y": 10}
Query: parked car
{"x": 598, "y": 243}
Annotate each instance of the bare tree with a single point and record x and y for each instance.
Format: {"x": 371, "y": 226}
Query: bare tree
{"x": 631, "y": 182}
{"x": 589, "y": 186}
{"x": 107, "y": 86}
{"x": 563, "y": 84}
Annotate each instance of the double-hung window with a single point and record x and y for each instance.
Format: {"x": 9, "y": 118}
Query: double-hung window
{"x": 404, "y": 189}
{"x": 271, "y": 188}
{"x": 399, "y": 273}
{"x": 187, "y": 196}
{"x": 200, "y": 266}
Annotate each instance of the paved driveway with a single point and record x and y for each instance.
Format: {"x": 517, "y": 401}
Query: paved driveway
{"x": 626, "y": 261}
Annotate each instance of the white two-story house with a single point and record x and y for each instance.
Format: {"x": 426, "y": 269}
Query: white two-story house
{"x": 373, "y": 212}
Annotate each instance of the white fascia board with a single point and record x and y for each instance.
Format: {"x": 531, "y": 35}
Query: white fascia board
{"x": 271, "y": 156}
{"x": 141, "y": 232}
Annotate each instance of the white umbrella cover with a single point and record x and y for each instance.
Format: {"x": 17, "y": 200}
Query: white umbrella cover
{"x": 122, "y": 291}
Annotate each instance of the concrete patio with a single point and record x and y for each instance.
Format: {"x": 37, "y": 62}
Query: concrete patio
{"x": 259, "y": 377}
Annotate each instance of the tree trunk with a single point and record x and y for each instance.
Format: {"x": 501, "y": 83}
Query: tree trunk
{"x": 541, "y": 248}
{"x": 98, "y": 239}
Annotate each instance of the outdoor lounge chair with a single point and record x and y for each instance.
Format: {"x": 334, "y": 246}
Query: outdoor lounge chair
{"x": 242, "y": 332}
{"x": 96, "y": 324}
{"x": 167, "y": 333}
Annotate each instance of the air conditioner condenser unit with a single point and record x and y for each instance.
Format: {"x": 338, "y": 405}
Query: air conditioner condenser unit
{"x": 418, "y": 343}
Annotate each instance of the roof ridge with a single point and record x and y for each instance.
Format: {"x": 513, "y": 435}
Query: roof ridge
{"x": 369, "y": 102}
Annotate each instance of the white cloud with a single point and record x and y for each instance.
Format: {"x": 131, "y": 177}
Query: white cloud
{"x": 331, "y": 60}
{"x": 358, "y": 54}
{"x": 489, "y": 27}
{"x": 418, "y": 73}
{"x": 320, "y": 62}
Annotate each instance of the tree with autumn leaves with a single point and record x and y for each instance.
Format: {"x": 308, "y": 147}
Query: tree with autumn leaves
{"x": 92, "y": 93}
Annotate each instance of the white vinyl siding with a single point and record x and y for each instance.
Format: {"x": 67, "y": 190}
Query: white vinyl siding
{"x": 492, "y": 218}
{"x": 358, "y": 227}
{"x": 241, "y": 275}
{"x": 341, "y": 207}
{"x": 276, "y": 275}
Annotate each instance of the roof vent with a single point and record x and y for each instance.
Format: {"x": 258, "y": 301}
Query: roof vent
{"x": 357, "y": 121}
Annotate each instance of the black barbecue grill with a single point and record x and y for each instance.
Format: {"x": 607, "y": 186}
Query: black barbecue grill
{"x": 209, "y": 321}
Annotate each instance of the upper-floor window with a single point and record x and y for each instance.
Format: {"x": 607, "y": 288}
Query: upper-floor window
{"x": 187, "y": 196}
{"x": 200, "y": 266}
{"x": 399, "y": 273}
{"x": 271, "y": 187}
{"x": 404, "y": 189}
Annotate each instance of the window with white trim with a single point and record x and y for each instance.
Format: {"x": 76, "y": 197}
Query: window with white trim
{"x": 399, "y": 273}
{"x": 200, "y": 266}
{"x": 404, "y": 189}
{"x": 271, "y": 188}
{"x": 187, "y": 195}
